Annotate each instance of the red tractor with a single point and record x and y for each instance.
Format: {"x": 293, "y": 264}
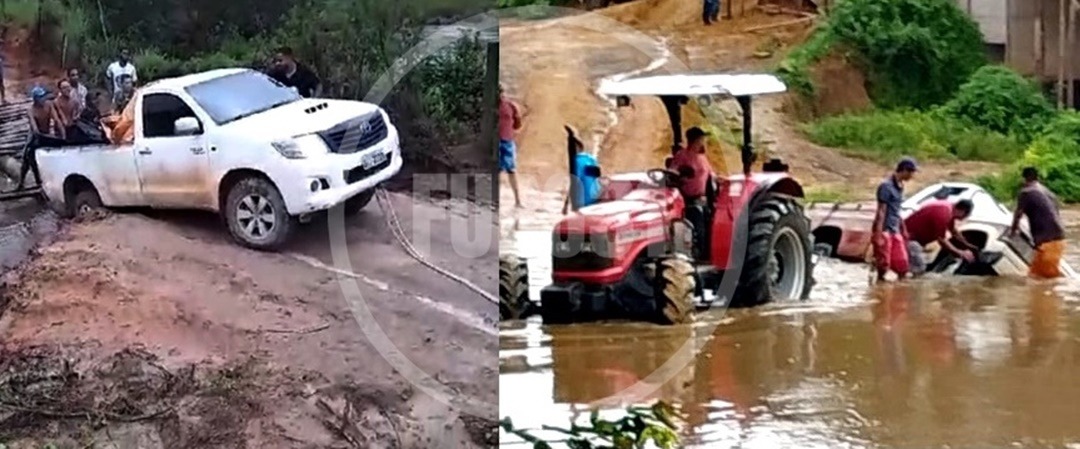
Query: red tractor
{"x": 641, "y": 253}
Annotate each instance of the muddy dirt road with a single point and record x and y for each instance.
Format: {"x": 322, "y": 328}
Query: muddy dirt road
{"x": 177, "y": 288}
{"x": 933, "y": 363}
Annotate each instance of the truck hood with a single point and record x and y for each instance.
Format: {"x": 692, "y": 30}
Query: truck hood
{"x": 301, "y": 117}
{"x": 602, "y": 217}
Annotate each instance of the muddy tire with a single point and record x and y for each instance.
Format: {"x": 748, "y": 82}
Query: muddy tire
{"x": 84, "y": 203}
{"x": 514, "y": 303}
{"x": 778, "y": 263}
{"x": 674, "y": 287}
{"x": 357, "y": 203}
{"x": 256, "y": 216}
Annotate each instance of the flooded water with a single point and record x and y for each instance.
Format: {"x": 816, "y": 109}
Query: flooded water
{"x": 22, "y": 224}
{"x": 946, "y": 362}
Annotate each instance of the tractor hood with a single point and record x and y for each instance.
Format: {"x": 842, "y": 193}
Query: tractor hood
{"x": 638, "y": 207}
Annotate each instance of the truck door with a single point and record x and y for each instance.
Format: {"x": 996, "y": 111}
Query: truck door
{"x": 173, "y": 163}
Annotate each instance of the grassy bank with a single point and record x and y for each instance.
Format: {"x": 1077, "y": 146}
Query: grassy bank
{"x": 935, "y": 97}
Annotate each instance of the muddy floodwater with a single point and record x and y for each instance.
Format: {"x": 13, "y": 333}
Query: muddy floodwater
{"x": 23, "y": 223}
{"x": 933, "y": 363}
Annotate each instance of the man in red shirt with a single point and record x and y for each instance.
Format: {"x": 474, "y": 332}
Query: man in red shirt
{"x": 509, "y": 124}
{"x": 936, "y": 221}
{"x": 693, "y": 167}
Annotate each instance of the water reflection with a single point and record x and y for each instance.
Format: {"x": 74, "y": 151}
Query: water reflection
{"x": 964, "y": 363}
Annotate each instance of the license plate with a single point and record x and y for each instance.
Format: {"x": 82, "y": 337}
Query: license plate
{"x": 373, "y": 159}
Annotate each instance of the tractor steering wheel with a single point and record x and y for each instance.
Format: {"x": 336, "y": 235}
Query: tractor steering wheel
{"x": 663, "y": 177}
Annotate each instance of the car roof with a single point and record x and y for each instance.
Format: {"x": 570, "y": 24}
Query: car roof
{"x": 689, "y": 85}
{"x": 181, "y": 82}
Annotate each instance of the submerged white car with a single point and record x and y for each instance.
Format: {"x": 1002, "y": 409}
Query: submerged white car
{"x": 843, "y": 231}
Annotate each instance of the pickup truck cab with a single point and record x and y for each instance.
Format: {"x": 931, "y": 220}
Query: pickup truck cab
{"x": 235, "y": 142}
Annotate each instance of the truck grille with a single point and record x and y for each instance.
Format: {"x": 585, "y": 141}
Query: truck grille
{"x": 581, "y": 253}
{"x": 355, "y": 135}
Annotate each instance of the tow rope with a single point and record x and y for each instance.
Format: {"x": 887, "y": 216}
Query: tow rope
{"x": 395, "y": 226}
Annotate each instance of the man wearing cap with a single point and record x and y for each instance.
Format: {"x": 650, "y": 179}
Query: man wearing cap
{"x": 1040, "y": 206}
{"x": 692, "y": 166}
{"x": 45, "y": 123}
{"x": 889, "y": 232}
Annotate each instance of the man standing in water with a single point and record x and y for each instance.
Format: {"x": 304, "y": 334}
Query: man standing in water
{"x": 1039, "y": 205}
{"x": 936, "y": 221}
{"x": 45, "y": 124}
{"x": 889, "y": 232}
{"x": 114, "y": 75}
{"x": 509, "y": 124}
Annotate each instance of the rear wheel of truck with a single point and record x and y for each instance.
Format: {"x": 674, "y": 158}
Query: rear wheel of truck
{"x": 674, "y": 286}
{"x": 514, "y": 303}
{"x": 256, "y": 215}
{"x": 85, "y": 203}
{"x": 357, "y": 203}
{"x": 778, "y": 263}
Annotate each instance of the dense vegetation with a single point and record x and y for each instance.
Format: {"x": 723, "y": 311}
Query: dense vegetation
{"x": 915, "y": 53}
{"x": 349, "y": 43}
{"x": 641, "y": 427}
{"x": 934, "y": 96}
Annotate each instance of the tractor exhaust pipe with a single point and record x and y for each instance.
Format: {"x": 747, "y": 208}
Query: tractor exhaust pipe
{"x": 747, "y": 145}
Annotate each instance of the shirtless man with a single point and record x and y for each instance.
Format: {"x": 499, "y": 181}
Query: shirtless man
{"x": 44, "y": 122}
{"x": 67, "y": 105}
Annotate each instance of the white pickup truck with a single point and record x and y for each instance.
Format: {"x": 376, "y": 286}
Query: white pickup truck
{"x": 235, "y": 142}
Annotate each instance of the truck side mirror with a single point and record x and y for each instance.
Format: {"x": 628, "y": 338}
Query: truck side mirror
{"x": 622, "y": 101}
{"x": 592, "y": 171}
{"x": 187, "y": 126}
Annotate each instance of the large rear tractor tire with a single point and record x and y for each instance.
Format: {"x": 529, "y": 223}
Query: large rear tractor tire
{"x": 779, "y": 261}
{"x": 514, "y": 303}
{"x": 674, "y": 287}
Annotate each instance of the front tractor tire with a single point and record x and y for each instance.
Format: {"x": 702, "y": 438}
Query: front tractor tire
{"x": 674, "y": 286}
{"x": 778, "y": 263}
{"x": 514, "y": 303}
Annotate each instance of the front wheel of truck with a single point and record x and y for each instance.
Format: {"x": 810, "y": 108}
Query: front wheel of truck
{"x": 256, "y": 215}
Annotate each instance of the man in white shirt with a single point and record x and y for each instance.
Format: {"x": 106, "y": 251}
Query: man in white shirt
{"x": 117, "y": 70}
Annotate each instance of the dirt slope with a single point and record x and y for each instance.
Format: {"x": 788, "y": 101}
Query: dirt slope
{"x": 552, "y": 67}
{"x": 179, "y": 293}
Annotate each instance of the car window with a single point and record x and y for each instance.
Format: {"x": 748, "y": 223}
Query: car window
{"x": 160, "y": 112}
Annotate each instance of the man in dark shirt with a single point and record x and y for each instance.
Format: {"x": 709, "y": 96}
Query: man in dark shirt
{"x": 288, "y": 71}
{"x": 1039, "y": 205}
{"x": 889, "y": 233}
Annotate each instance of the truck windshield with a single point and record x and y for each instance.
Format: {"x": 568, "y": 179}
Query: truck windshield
{"x": 233, "y": 97}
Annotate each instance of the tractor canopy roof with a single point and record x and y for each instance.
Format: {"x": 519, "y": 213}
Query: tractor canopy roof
{"x": 735, "y": 85}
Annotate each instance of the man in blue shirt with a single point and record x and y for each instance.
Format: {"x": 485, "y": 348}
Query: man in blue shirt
{"x": 585, "y": 176}
{"x": 889, "y": 233}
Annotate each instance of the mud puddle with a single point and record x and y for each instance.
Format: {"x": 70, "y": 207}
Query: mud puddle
{"x": 931, "y": 363}
{"x": 23, "y": 225}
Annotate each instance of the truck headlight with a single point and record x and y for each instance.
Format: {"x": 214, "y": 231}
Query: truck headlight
{"x": 288, "y": 148}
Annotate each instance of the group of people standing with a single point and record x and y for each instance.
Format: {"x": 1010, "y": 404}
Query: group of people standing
{"x": 898, "y": 244}
{"x": 53, "y": 118}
